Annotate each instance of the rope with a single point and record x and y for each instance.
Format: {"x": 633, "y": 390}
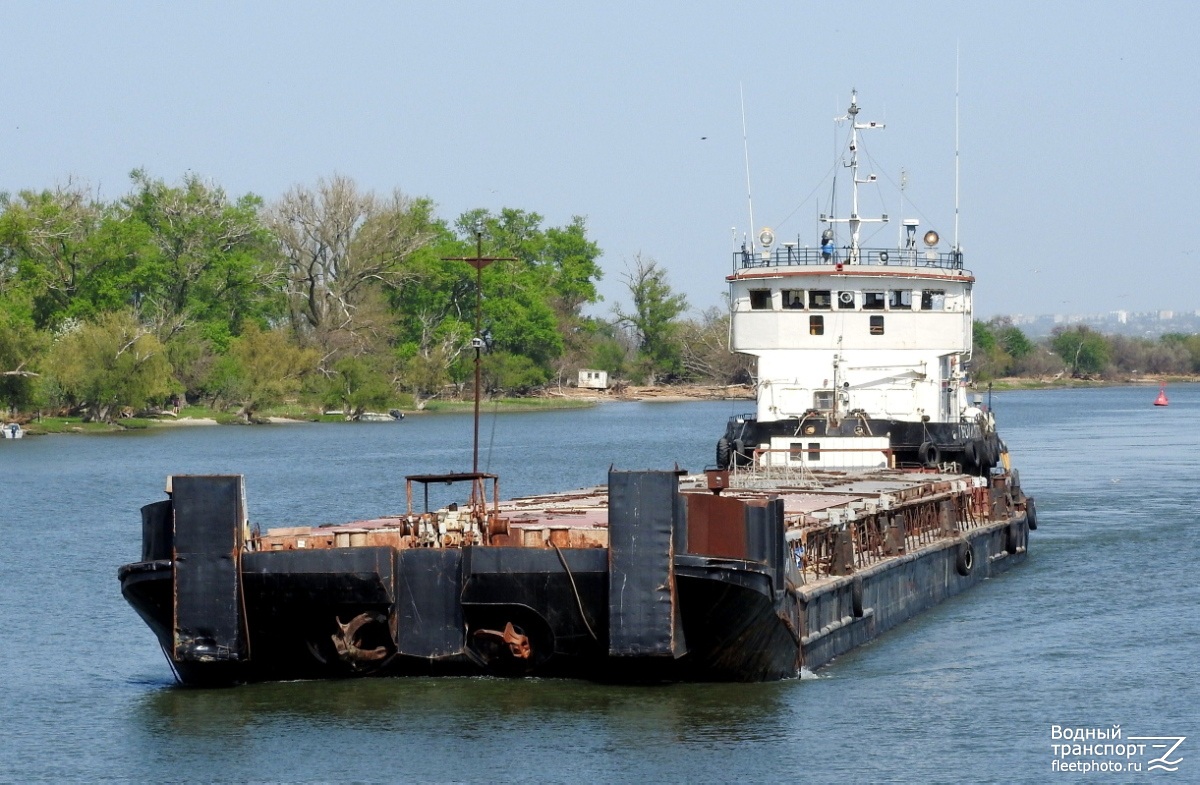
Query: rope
{"x": 575, "y": 589}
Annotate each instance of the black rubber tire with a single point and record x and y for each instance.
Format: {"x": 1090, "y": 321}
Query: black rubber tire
{"x": 1012, "y": 539}
{"x": 1031, "y": 513}
{"x": 856, "y": 598}
{"x": 971, "y": 452}
{"x": 929, "y": 455}
{"x": 964, "y": 562}
{"x": 724, "y": 453}
{"x": 993, "y": 449}
{"x": 739, "y": 453}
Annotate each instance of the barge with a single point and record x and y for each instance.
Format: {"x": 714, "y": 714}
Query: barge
{"x": 864, "y": 490}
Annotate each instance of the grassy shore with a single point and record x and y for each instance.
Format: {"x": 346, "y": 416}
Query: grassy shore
{"x": 1020, "y": 383}
{"x": 199, "y": 415}
{"x": 568, "y": 399}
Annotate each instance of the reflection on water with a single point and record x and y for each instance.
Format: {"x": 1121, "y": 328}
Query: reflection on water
{"x": 415, "y": 719}
{"x": 684, "y": 711}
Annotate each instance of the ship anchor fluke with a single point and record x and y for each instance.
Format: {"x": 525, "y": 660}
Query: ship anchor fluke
{"x": 349, "y": 644}
{"x": 518, "y": 643}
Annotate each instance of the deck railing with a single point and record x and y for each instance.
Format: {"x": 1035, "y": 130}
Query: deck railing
{"x": 788, "y": 255}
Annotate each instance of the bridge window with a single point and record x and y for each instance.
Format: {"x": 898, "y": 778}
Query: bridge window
{"x": 816, "y": 325}
{"x": 933, "y": 300}
{"x": 900, "y": 299}
{"x": 823, "y": 400}
{"x": 873, "y": 301}
{"x": 820, "y": 299}
{"x": 876, "y": 325}
{"x": 760, "y": 299}
{"x": 793, "y": 298}
{"x": 845, "y": 299}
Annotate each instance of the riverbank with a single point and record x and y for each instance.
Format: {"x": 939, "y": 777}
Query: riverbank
{"x": 546, "y": 400}
{"x": 1068, "y": 383}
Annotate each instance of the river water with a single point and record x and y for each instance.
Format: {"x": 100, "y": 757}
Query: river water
{"x": 1099, "y": 627}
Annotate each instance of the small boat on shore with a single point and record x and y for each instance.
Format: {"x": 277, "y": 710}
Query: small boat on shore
{"x": 13, "y": 430}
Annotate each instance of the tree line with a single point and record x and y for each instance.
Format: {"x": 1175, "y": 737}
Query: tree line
{"x": 1002, "y": 349}
{"x": 337, "y": 297}
{"x": 332, "y": 296}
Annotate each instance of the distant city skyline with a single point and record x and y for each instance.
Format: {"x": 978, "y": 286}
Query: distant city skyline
{"x": 1073, "y": 124}
{"x": 1133, "y": 323}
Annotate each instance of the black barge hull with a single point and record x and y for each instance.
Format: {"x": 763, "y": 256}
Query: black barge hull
{"x": 649, "y": 607}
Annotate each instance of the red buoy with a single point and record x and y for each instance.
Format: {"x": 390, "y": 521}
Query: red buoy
{"x": 1161, "y": 400}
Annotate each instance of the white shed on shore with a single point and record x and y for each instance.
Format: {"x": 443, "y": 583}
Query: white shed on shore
{"x": 591, "y": 379}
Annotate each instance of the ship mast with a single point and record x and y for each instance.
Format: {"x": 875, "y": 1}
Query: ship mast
{"x": 855, "y": 220}
{"x": 478, "y": 261}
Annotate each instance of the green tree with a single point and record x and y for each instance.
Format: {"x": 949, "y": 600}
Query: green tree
{"x": 358, "y": 384}
{"x": 111, "y": 363}
{"x": 511, "y": 373}
{"x": 201, "y": 257}
{"x": 262, "y": 368}
{"x": 1013, "y": 341}
{"x": 531, "y": 302}
{"x": 654, "y": 320}
{"x": 1084, "y": 350}
{"x": 22, "y": 351}
{"x": 51, "y": 242}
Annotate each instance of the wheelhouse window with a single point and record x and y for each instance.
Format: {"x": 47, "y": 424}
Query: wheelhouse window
{"x": 820, "y": 299}
{"x": 933, "y": 300}
{"x": 823, "y": 400}
{"x": 873, "y": 301}
{"x": 793, "y": 299}
{"x": 876, "y": 325}
{"x": 760, "y": 299}
{"x": 900, "y": 299}
{"x": 845, "y": 299}
{"x": 816, "y": 325}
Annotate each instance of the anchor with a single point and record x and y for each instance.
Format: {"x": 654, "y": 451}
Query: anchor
{"x": 518, "y": 644}
{"x": 348, "y": 644}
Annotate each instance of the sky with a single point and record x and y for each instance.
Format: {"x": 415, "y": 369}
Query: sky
{"x": 1077, "y": 123}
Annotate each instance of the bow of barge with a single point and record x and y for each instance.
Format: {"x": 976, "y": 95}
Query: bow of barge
{"x": 729, "y": 575}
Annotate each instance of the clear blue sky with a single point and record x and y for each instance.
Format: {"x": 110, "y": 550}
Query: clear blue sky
{"x": 1079, "y": 140}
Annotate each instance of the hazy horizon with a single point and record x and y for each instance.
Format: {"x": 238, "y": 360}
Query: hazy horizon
{"x": 630, "y": 114}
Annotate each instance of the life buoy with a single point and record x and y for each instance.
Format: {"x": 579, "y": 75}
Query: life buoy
{"x": 846, "y": 298}
{"x": 964, "y": 562}
{"x": 929, "y": 455}
{"x": 1031, "y": 513}
{"x": 883, "y": 257}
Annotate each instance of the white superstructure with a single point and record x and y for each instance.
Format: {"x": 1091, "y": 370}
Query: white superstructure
{"x": 841, "y": 330}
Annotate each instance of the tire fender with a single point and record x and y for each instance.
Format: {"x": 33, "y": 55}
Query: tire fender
{"x": 964, "y": 562}
{"x": 929, "y": 455}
